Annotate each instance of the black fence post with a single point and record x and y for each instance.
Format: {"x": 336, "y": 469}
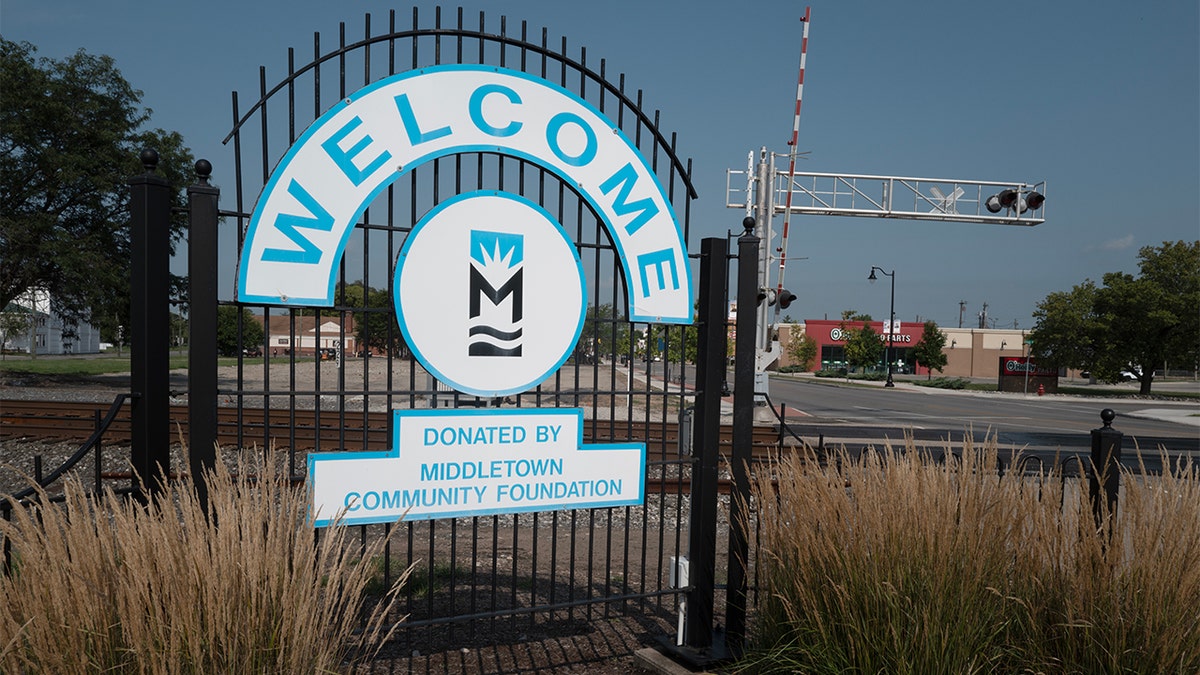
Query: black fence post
{"x": 743, "y": 437}
{"x": 202, "y": 328}
{"x": 1106, "y": 467}
{"x": 710, "y": 376}
{"x": 150, "y": 319}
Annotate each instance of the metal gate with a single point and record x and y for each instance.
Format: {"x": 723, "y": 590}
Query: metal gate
{"x": 324, "y": 379}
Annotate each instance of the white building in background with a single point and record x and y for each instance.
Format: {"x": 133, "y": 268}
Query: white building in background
{"x": 32, "y": 320}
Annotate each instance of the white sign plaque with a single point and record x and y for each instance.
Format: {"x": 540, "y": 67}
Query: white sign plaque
{"x": 449, "y": 464}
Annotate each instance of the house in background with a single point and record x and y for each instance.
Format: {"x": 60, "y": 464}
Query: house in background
{"x": 306, "y": 335}
{"x": 30, "y": 324}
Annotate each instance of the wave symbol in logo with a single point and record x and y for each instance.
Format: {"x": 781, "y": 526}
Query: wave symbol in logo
{"x": 496, "y": 293}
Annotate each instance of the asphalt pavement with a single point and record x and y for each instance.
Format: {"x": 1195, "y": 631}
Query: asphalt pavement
{"x": 1180, "y": 411}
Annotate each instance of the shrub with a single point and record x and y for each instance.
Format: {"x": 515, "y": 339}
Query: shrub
{"x": 104, "y": 584}
{"x": 918, "y": 567}
{"x": 944, "y": 383}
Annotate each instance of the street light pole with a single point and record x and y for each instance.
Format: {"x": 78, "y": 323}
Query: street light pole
{"x": 891, "y": 326}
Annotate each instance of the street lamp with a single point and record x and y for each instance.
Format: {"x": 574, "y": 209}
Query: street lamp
{"x": 891, "y": 326}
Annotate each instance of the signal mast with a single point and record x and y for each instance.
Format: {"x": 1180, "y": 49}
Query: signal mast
{"x": 769, "y": 192}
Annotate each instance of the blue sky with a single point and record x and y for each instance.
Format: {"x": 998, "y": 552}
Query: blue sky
{"x": 1099, "y": 99}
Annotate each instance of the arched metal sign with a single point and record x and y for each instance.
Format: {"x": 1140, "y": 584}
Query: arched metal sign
{"x": 301, "y": 223}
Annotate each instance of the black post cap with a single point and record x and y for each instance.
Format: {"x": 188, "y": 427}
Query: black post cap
{"x": 203, "y": 170}
{"x": 149, "y": 160}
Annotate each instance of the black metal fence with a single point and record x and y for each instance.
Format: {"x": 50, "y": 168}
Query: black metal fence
{"x": 481, "y": 577}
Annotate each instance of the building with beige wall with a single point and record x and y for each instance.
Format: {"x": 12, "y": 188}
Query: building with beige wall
{"x": 970, "y": 352}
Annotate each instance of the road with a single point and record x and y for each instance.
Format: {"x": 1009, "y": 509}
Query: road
{"x": 859, "y": 415}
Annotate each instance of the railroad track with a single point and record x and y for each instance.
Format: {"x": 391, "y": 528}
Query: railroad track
{"x": 303, "y": 430}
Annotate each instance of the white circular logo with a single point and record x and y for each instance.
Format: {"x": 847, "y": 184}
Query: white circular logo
{"x": 489, "y": 293}
{"x": 836, "y": 334}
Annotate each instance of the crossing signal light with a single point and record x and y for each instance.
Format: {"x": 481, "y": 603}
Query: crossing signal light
{"x": 784, "y": 298}
{"x": 1013, "y": 201}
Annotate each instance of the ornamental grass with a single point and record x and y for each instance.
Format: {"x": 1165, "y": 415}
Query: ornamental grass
{"x": 894, "y": 563}
{"x": 105, "y": 584}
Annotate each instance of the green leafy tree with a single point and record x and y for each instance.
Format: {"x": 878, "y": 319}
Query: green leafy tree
{"x": 70, "y": 134}
{"x": 1129, "y": 324}
{"x": 928, "y": 351}
{"x": 1066, "y": 330}
{"x": 863, "y": 346}
{"x": 682, "y": 343}
{"x": 376, "y": 329}
{"x": 854, "y": 316}
{"x": 604, "y": 332}
{"x": 228, "y": 330}
{"x": 802, "y": 350}
{"x": 14, "y": 321}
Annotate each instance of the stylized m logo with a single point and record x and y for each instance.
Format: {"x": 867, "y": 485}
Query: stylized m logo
{"x": 497, "y": 274}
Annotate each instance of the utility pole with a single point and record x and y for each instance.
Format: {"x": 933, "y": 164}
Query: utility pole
{"x": 962, "y": 306}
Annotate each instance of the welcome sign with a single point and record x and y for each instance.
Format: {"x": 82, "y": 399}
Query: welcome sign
{"x": 301, "y": 224}
{"x": 490, "y": 293}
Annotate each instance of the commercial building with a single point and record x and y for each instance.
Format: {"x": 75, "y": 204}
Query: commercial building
{"x": 970, "y": 352}
{"x": 32, "y": 324}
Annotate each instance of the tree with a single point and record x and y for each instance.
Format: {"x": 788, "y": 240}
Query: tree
{"x": 1066, "y": 328}
{"x": 15, "y": 320}
{"x": 70, "y": 134}
{"x": 227, "y": 330}
{"x": 682, "y": 343}
{"x": 929, "y": 349}
{"x": 1129, "y": 324}
{"x": 802, "y": 350}
{"x": 377, "y": 328}
{"x": 863, "y": 346}
{"x": 854, "y": 316}
{"x": 603, "y": 333}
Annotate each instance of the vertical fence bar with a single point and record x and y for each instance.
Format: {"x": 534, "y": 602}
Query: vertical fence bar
{"x": 202, "y": 328}
{"x": 743, "y": 437}
{"x": 1106, "y": 467}
{"x": 710, "y": 375}
{"x": 150, "y": 225}
{"x": 97, "y": 450}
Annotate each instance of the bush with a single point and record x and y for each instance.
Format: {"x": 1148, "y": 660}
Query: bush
{"x": 831, "y": 372}
{"x": 104, "y": 584}
{"x": 944, "y": 383}
{"x": 919, "y": 567}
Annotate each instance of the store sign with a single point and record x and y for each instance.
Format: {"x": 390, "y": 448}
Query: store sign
{"x": 1022, "y": 366}
{"x": 840, "y": 335}
{"x": 451, "y": 464}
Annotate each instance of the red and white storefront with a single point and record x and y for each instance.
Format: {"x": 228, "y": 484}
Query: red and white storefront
{"x": 830, "y": 338}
